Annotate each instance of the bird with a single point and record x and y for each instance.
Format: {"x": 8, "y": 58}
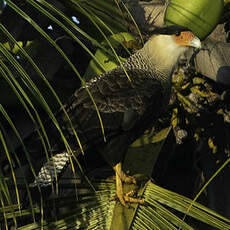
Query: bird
{"x": 124, "y": 101}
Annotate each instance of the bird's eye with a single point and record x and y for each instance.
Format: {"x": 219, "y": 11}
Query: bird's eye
{"x": 177, "y": 33}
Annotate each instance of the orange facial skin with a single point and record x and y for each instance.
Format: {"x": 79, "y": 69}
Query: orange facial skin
{"x": 184, "y": 38}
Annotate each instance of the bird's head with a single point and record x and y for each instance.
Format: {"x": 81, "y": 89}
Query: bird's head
{"x": 186, "y": 39}
{"x": 167, "y": 45}
{"x": 181, "y": 36}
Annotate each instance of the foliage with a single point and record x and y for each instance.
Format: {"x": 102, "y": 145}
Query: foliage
{"x": 41, "y": 66}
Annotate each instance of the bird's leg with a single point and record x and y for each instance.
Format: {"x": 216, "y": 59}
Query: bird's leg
{"x": 122, "y": 177}
{"x": 119, "y": 188}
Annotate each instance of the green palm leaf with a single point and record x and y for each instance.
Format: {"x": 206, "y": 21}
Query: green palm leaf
{"x": 88, "y": 209}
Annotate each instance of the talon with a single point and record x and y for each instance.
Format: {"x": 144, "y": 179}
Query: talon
{"x": 128, "y": 198}
{"x": 130, "y": 193}
{"x": 133, "y": 200}
{"x": 128, "y": 179}
{"x": 123, "y": 198}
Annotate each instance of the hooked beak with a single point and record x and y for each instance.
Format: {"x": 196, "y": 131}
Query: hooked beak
{"x": 195, "y": 42}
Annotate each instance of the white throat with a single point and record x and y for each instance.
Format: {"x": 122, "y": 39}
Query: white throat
{"x": 163, "y": 50}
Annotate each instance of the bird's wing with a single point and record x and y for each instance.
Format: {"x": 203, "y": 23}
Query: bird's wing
{"x": 114, "y": 92}
{"x": 115, "y": 95}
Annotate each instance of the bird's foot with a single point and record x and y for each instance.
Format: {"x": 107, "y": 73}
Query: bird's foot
{"x": 127, "y": 198}
{"x": 122, "y": 177}
{"x": 127, "y": 179}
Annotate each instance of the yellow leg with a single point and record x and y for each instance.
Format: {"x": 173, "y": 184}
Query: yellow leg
{"x": 119, "y": 187}
{"x": 122, "y": 177}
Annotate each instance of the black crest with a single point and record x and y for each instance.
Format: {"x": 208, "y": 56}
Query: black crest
{"x": 168, "y": 30}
